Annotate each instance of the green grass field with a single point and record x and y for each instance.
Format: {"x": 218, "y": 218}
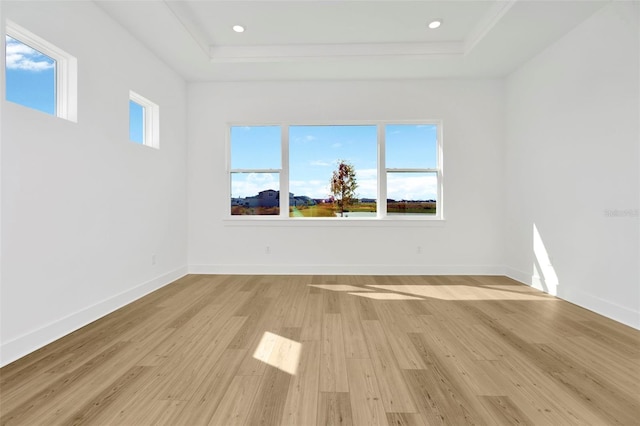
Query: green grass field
{"x": 254, "y": 211}
{"x": 319, "y": 210}
{"x": 422, "y": 207}
{"x": 330, "y": 210}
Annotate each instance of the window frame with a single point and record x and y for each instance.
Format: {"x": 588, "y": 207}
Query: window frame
{"x": 150, "y": 118}
{"x": 283, "y": 181}
{"x": 386, "y": 170}
{"x": 381, "y": 213}
{"x": 66, "y": 73}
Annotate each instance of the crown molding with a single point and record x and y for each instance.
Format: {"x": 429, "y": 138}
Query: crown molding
{"x": 487, "y": 23}
{"x": 185, "y": 18}
{"x": 292, "y": 53}
{"x": 355, "y": 51}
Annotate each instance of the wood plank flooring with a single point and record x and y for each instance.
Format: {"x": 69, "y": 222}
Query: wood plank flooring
{"x": 334, "y": 350}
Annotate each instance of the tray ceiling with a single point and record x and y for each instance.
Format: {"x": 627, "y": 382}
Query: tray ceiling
{"x": 292, "y": 40}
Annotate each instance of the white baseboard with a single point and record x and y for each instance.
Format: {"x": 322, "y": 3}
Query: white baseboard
{"x": 606, "y": 308}
{"x": 523, "y": 277}
{"x": 603, "y": 307}
{"x": 368, "y": 269}
{"x": 27, "y": 343}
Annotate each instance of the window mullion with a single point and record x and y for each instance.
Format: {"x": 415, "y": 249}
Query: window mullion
{"x": 439, "y": 210}
{"x": 284, "y": 175}
{"x": 381, "y": 207}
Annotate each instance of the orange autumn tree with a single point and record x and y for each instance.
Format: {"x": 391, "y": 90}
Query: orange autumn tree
{"x": 343, "y": 185}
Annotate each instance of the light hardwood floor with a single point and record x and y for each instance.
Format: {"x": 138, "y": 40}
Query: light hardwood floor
{"x": 330, "y": 350}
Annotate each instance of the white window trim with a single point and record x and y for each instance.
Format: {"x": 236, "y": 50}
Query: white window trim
{"x": 151, "y": 120}
{"x": 66, "y": 70}
{"x": 282, "y": 171}
{"x": 382, "y": 217}
{"x": 438, "y": 170}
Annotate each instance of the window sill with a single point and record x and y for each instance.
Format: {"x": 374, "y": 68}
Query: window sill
{"x": 389, "y": 222}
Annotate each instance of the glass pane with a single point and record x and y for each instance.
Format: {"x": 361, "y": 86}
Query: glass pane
{"x": 255, "y": 147}
{"x": 314, "y": 155}
{"x": 411, "y": 146}
{"x": 412, "y": 193}
{"x": 30, "y": 77}
{"x": 255, "y": 193}
{"x": 136, "y": 122}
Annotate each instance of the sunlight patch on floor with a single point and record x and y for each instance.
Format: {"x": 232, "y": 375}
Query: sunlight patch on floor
{"x": 279, "y": 352}
{"x": 387, "y": 296}
{"x": 460, "y": 292}
{"x": 339, "y": 287}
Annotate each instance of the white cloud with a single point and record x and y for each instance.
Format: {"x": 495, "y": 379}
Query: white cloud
{"x": 254, "y": 183}
{"x": 401, "y": 186}
{"x": 366, "y": 178}
{"x": 367, "y": 188}
{"x": 336, "y": 145}
{"x": 21, "y": 57}
{"x": 310, "y": 188}
{"x": 366, "y": 173}
{"x": 260, "y": 178}
{"x": 304, "y": 139}
{"x": 319, "y": 163}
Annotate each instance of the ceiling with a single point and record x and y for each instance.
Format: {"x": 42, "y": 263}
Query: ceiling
{"x": 306, "y": 39}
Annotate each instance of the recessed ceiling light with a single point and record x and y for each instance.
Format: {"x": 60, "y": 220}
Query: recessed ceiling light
{"x": 435, "y": 24}
{"x": 238, "y": 28}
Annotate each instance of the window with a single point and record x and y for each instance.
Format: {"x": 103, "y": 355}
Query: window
{"x": 39, "y": 75}
{"x": 144, "y": 121}
{"x": 255, "y": 170}
{"x": 412, "y": 169}
{"x": 337, "y": 171}
{"x": 315, "y": 152}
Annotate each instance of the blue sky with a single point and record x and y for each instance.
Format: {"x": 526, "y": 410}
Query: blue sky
{"x": 315, "y": 150}
{"x": 30, "y": 77}
{"x": 136, "y": 122}
{"x": 31, "y": 82}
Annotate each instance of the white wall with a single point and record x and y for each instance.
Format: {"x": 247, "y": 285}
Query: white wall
{"x": 572, "y": 160}
{"x": 84, "y": 209}
{"x": 470, "y": 241}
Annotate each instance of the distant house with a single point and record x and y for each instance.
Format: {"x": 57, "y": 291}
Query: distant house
{"x": 324, "y": 200}
{"x": 266, "y": 198}
{"x": 271, "y": 198}
{"x": 367, "y": 200}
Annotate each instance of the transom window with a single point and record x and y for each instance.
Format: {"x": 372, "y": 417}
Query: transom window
{"x": 39, "y": 75}
{"x": 367, "y": 171}
{"x": 144, "y": 121}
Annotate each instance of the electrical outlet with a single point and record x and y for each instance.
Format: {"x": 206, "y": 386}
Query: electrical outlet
{"x": 419, "y": 249}
{"x": 267, "y": 250}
